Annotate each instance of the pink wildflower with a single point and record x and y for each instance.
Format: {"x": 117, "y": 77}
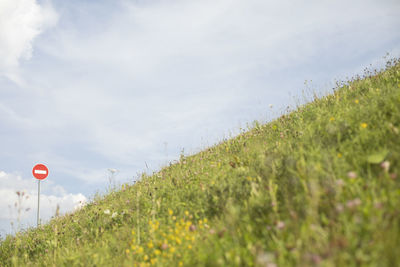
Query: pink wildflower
{"x": 352, "y": 175}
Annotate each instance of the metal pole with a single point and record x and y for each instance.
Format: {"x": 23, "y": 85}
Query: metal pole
{"x": 38, "y": 203}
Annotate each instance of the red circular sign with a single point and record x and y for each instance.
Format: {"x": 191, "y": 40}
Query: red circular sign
{"x": 40, "y": 171}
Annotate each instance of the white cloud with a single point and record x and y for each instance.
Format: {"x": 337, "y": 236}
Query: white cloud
{"x": 156, "y": 70}
{"x": 20, "y": 22}
{"x": 22, "y": 207}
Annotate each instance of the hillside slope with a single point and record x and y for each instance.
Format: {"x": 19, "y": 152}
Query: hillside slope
{"x": 318, "y": 186}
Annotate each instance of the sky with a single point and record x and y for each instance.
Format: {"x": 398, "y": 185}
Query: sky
{"x": 86, "y": 86}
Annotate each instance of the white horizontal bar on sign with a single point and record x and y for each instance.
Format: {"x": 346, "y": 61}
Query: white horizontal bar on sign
{"x": 40, "y": 171}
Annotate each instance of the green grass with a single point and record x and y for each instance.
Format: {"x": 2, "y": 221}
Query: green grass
{"x": 317, "y": 186}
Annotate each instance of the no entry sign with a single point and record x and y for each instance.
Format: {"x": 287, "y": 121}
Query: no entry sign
{"x": 40, "y": 171}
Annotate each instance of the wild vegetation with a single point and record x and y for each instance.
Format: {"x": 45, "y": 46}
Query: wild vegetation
{"x": 317, "y": 186}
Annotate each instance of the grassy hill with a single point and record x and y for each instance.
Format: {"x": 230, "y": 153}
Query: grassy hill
{"x": 318, "y": 186}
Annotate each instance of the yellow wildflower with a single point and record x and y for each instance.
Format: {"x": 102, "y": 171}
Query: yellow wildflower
{"x": 172, "y": 249}
{"x": 189, "y": 246}
{"x": 150, "y": 244}
{"x": 186, "y": 213}
{"x": 331, "y": 119}
{"x": 180, "y": 263}
{"x": 139, "y": 250}
{"x": 363, "y": 125}
{"x": 356, "y": 101}
{"x": 157, "y": 252}
{"x": 153, "y": 261}
{"x": 127, "y": 251}
{"x": 339, "y": 155}
{"x": 145, "y": 257}
{"x": 170, "y": 212}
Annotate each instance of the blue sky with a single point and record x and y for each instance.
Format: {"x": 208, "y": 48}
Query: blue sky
{"x": 91, "y": 85}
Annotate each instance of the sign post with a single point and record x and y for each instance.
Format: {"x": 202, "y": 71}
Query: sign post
{"x": 40, "y": 172}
